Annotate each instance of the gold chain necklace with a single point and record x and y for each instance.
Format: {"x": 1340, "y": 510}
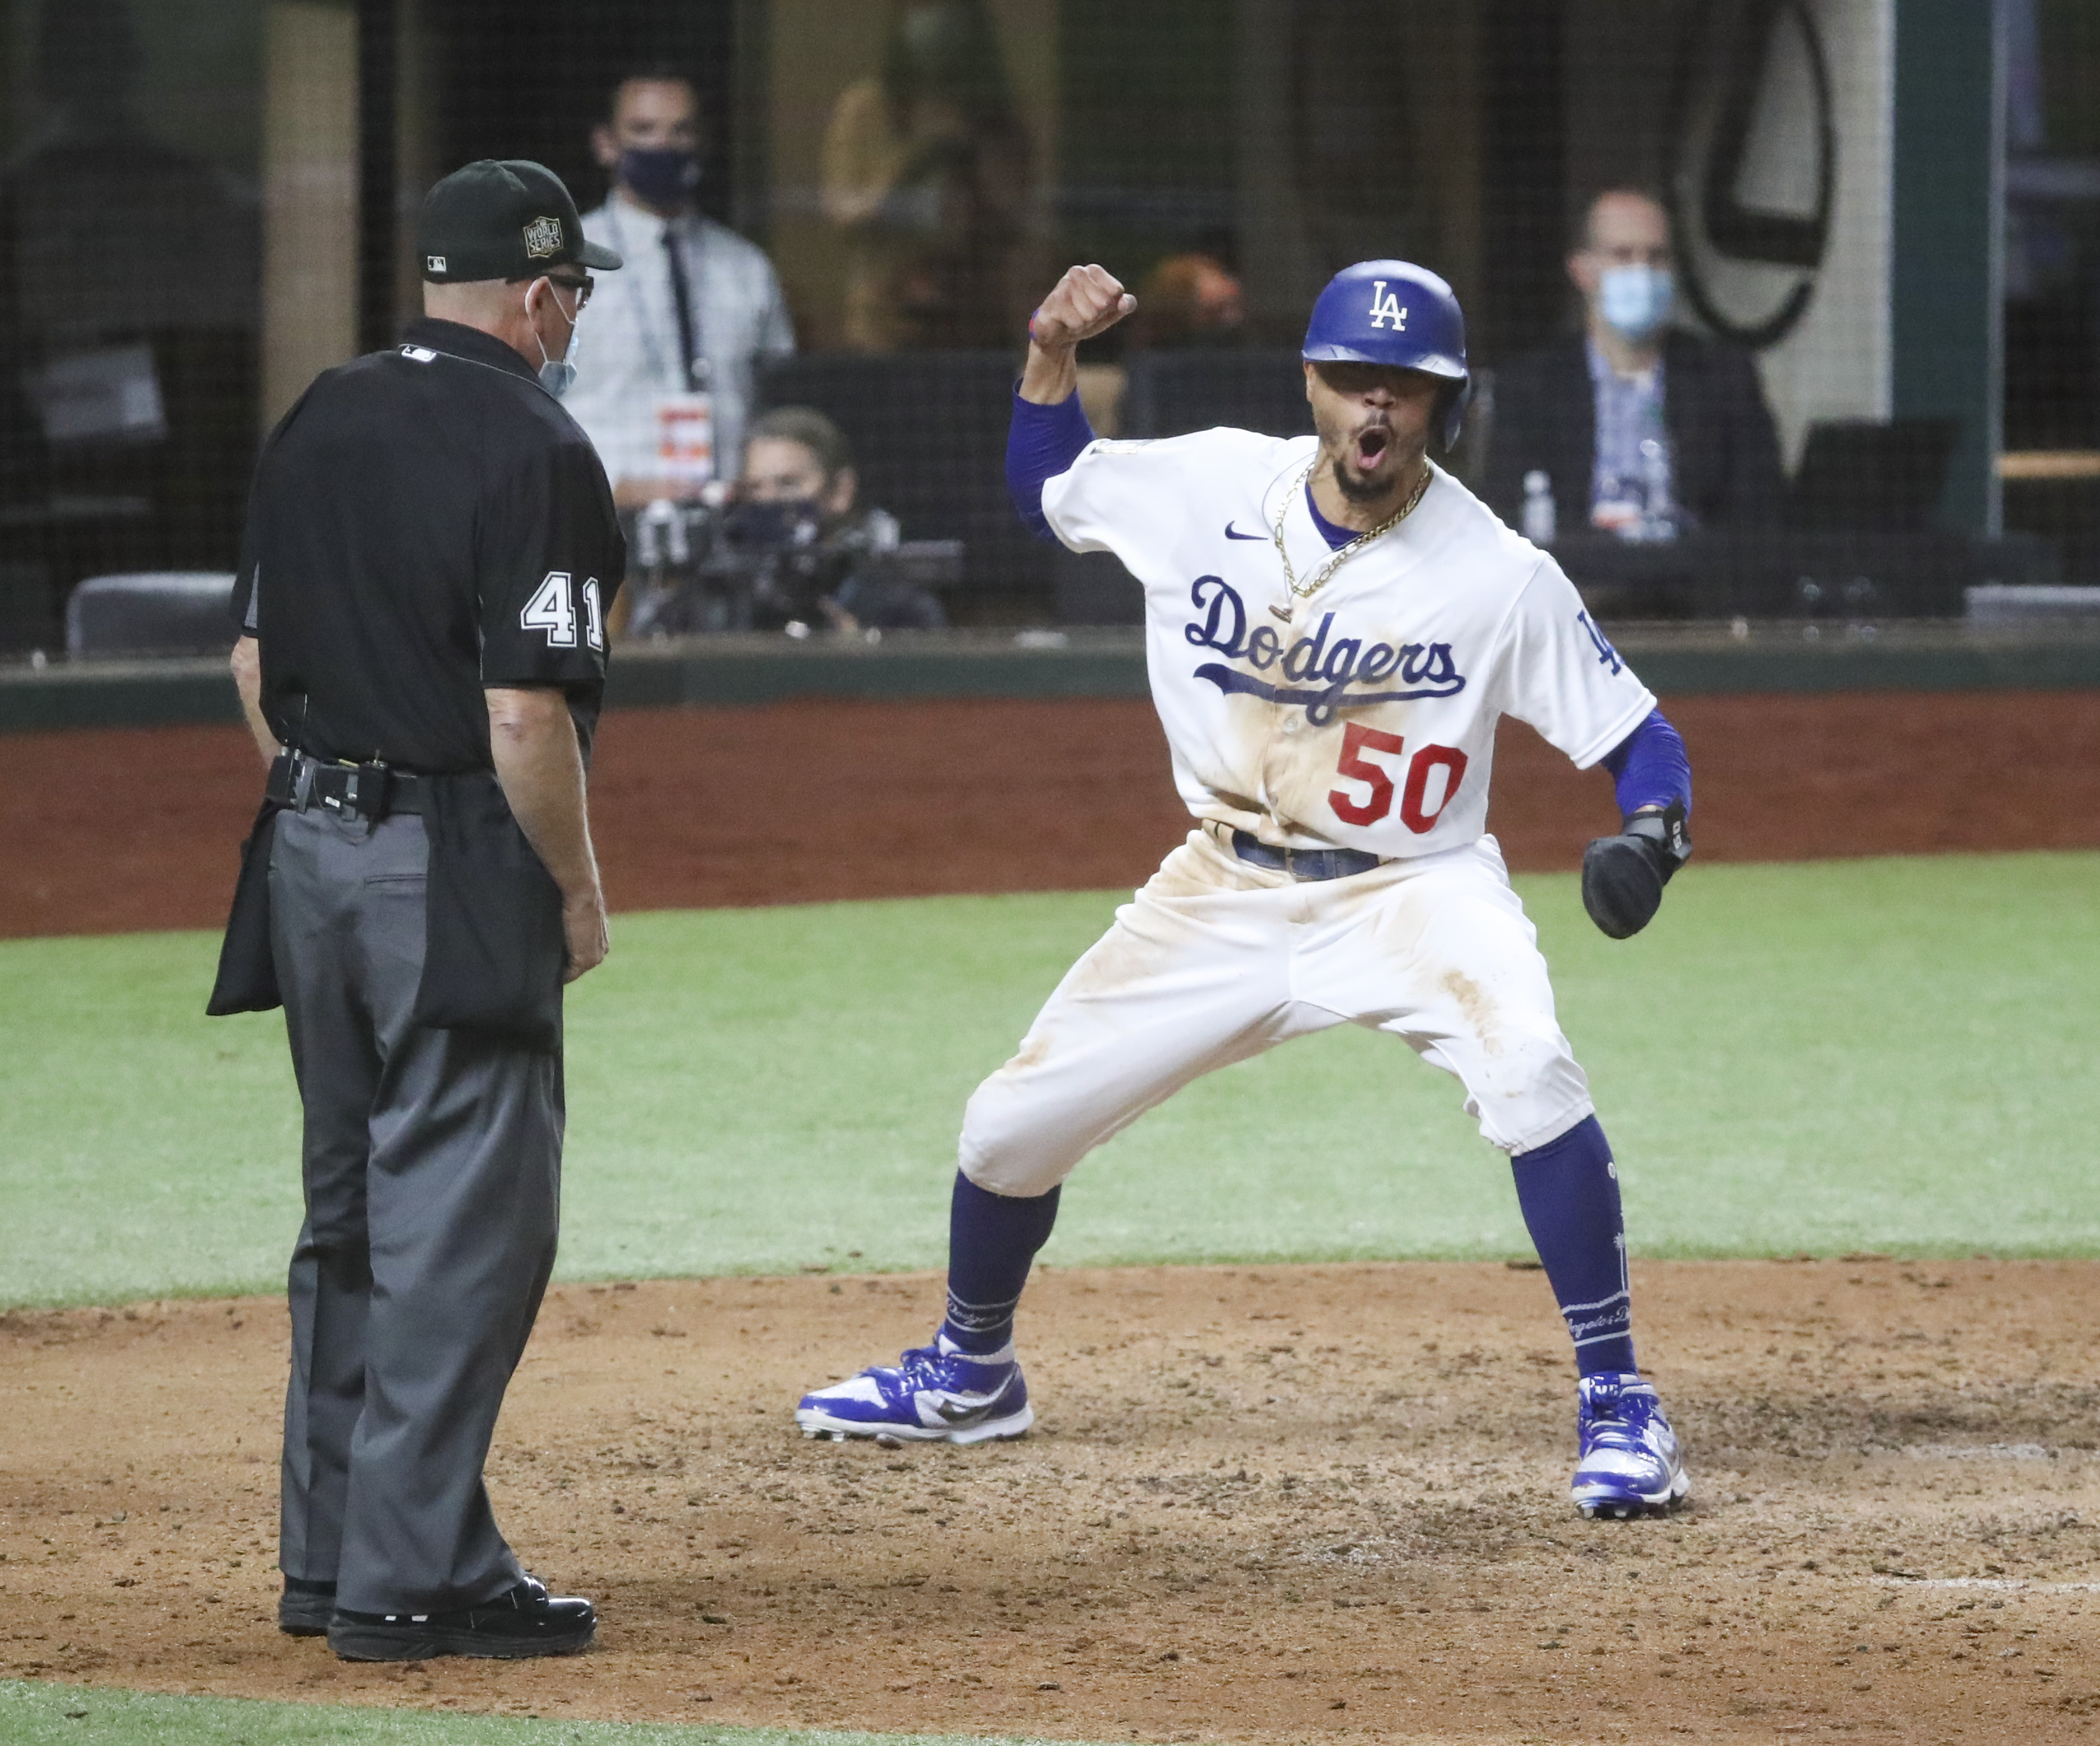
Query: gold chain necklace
{"x": 1306, "y": 590}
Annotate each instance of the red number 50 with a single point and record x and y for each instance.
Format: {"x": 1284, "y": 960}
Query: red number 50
{"x": 1356, "y": 739}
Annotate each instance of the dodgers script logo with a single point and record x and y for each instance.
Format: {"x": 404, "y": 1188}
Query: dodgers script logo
{"x": 1319, "y": 672}
{"x": 1385, "y": 307}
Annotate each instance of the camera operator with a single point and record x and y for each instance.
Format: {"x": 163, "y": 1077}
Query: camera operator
{"x": 834, "y": 567}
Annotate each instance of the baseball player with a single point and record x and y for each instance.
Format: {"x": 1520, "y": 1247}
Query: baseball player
{"x": 1334, "y": 626}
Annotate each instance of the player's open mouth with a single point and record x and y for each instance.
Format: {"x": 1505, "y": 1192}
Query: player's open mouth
{"x": 1371, "y": 446}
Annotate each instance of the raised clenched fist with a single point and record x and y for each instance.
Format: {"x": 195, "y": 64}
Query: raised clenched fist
{"x": 1087, "y": 301}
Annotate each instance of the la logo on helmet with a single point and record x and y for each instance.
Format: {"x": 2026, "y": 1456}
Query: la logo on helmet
{"x": 1385, "y": 307}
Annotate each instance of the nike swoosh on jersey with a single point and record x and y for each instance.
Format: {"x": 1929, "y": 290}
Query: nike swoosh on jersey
{"x": 1234, "y": 533}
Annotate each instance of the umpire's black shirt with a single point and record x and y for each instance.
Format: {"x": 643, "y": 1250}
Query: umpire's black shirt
{"x": 425, "y": 522}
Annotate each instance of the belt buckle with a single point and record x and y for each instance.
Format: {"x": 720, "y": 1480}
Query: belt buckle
{"x": 344, "y": 803}
{"x": 364, "y": 794}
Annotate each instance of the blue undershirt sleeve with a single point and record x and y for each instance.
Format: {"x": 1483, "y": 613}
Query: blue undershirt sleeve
{"x": 1650, "y": 767}
{"x": 1041, "y": 442}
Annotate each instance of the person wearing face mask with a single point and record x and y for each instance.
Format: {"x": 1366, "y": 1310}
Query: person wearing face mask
{"x": 797, "y": 464}
{"x": 1635, "y": 427}
{"x": 431, "y": 555}
{"x": 666, "y": 382}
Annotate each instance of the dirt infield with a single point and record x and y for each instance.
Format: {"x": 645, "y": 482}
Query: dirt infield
{"x": 1265, "y": 1503}
{"x": 117, "y": 829}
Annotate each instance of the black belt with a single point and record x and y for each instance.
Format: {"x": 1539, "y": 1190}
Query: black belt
{"x": 1304, "y": 864}
{"x": 366, "y": 792}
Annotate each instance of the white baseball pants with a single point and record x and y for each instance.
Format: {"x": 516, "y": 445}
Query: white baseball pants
{"x": 1216, "y": 961}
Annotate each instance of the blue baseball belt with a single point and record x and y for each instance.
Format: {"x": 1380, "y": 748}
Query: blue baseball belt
{"x": 1304, "y": 864}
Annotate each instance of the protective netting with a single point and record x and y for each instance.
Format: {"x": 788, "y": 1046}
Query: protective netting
{"x": 1828, "y": 348}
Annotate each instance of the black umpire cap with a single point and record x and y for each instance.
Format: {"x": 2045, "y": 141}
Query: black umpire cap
{"x": 507, "y": 219}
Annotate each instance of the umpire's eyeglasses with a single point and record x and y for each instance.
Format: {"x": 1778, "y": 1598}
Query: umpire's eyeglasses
{"x": 579, "y": 287}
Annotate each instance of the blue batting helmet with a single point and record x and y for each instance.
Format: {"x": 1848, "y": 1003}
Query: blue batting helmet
{"x": 1395, "y": 312}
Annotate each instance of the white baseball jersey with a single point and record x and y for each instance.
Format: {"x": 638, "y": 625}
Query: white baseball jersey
{"x": 1366, "y": 719}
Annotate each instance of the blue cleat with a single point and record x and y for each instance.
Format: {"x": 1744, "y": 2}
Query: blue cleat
{"x": 1630, "y": 1465}
{"x": 933, "y": 1394}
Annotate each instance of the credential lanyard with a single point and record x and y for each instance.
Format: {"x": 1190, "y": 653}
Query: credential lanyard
{"x": 682, "y": 299}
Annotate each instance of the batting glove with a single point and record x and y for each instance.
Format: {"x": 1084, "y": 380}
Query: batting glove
{"x": 1623, "y": 876}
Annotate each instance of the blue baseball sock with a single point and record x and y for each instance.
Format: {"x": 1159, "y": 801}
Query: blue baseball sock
{"x": 1569, "y": 1191}
{"x": 992, "y": 1241}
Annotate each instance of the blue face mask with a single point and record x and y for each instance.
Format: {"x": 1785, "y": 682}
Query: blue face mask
{"x": 559, "y": 375}
{"x": 1635, "y": 301}
{"x": 663, "y": 176}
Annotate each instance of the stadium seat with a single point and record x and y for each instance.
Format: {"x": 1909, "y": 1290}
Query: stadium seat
{"x": 160, "y": 612}
{"x": 1171, "y": 393}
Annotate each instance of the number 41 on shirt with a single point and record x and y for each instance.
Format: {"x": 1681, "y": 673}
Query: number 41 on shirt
{"x": 553, "y": 609}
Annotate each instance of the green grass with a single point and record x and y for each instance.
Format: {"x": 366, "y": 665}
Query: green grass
{"x": 1887, "y": 1054}
{"x": 1891, "y": 1054}
{"x": 50, "y": 1715}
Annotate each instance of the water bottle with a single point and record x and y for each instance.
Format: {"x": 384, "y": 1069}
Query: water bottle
{"x": 1660, "y": 522}
{"x": 1539, "y": 515}
{"x": 649, "y": 535}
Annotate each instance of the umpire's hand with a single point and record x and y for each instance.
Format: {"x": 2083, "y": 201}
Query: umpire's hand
{"x": 533, "y": 743}
{"x": 582, "y": 925}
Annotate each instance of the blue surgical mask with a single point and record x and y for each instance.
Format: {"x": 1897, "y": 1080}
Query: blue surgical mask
{"x": 1635, "y": 301}
{"x": 559, "y": 375}
{"x": 661, "y": 176}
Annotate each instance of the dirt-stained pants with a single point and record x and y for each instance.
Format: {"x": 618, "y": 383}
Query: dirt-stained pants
{"x": 1216, "y": 961}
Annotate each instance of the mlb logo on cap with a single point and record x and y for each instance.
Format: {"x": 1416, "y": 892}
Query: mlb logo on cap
{"x": 507, "y": 220}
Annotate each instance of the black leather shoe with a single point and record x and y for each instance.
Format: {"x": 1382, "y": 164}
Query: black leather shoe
{"x": 305, "y": 1608}
{"x": 524, "y": 1621}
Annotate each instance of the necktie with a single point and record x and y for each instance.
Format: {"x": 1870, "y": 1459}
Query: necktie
{"x": 682, "y": 300}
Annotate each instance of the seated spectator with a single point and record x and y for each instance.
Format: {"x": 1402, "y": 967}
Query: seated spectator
{"x": 1190, "y": 300}
{"x": 796, "y": 459}
{"x": 672, "y": 344}
{"x": 1639, "y": 428}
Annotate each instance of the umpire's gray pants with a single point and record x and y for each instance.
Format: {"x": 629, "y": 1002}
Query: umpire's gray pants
{"x": 433, "y": 1168}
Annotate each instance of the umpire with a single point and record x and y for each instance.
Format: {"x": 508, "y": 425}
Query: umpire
{"x": 431, "y": 552}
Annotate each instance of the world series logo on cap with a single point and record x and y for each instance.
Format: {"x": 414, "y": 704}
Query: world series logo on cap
{"x": 543, "y": 237}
